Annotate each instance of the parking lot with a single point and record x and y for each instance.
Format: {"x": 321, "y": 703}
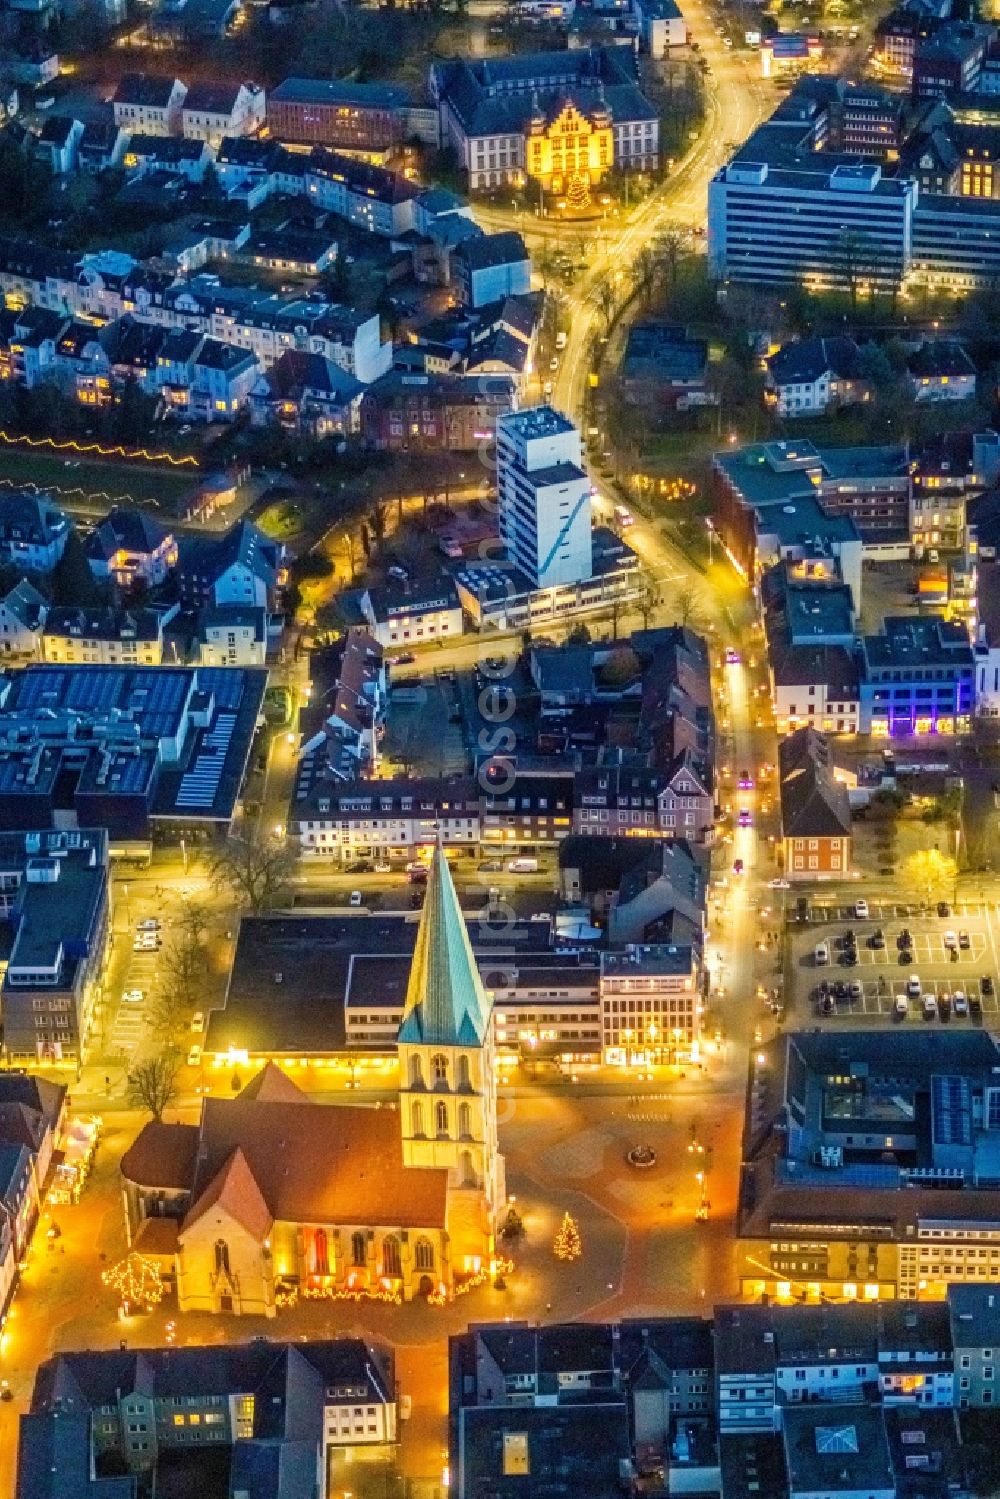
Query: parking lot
{"x": 953, "y": 953}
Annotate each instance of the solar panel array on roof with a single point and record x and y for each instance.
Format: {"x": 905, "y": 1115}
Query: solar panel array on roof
{"x": 40, "y": 689}
{"x": 93, "y": 692}
{"x": 951, "y": 1110}
{"x": 162, "y": 697}
{"x": 200, "y": 783}
{"x": 225, "y": 685}
{"x": 130, "y": 773}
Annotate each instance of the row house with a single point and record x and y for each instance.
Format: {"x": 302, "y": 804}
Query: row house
{"x": 624, "y": 802}
{"x": 148, "y": 104}
{"x": 108, "y": 285}
{"x": 523, "y": 808}
{"x": 155, "y": 153}
{"x": 451, "y": 413}
{"x": 28, "y": 339}
{"x": 105, "y": 637}
{"x": 382, "y": 819}
{"x": 815, "y": 809}
{"x": 351, "y": 704}
{"x": 213, "y": 111}
{"x": 31, "y": 1114}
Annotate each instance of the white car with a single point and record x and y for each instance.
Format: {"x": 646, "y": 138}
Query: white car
{"x": 133, "y": 997}
{"x": 930, "y": 1007}
{"x": 779, "y": 884}
{"x": 960, "y": 1002}
{"x": 861, "y": 910}
{"x": 821, "y": 954}
{"x": 149, "y": 925}
{"x": 951, "y": 939}
{"x": 383, "y": 868}
{"x": 198, "y": 1020}
{"x": 194, "y": 1056}
{"x": 913, "y": 986}
{"x": 356, "y": 897}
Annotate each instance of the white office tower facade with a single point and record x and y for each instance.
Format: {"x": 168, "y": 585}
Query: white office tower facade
{"x": 544, "y": 497}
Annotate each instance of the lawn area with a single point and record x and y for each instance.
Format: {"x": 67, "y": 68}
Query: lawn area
{"x": 281, "y": 520}
{"x": 100, "y": 481}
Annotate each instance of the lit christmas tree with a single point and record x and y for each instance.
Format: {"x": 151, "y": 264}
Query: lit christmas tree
{"x": 567, "y": 1245}
{"x": 136, "y": 1281}
{"x": 578, "y": 191}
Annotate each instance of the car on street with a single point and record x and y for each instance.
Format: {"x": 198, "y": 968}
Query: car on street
{"x": 383, "y": 868}
{"x": 964, "y": 941}
{"x": 745, "y": 782}
{"x": 732, "y": 656}
{"x": 930, "y": 1007}
{"x": 133, "y": 996}
{"x": 194, "y": 1055}
{"x": 198, "y": 1020}
{"x": 779, "y": 885}
{"x": 913, "y": 986}
{"x": 737, "y": 866}
{"x": 861, "y": 910}
{"x": 961, "y": 1002}
{"x": 744, "y": 817}
{"x": 361, "y": 866}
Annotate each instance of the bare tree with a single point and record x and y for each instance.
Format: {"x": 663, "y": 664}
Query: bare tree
{"x": 668, "y": 253}
{"x": 152, "y": 1084}
{"x": 255, "y": 866}
{"x": 607, "y": 303}
{"x": 687, "y": 608}
{"x": 649, "y": 599}
{"x": 181, "y": 984}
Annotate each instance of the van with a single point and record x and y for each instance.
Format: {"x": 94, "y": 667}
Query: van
{"x": 821, "y": 953}
{"x": 522, "y": 866}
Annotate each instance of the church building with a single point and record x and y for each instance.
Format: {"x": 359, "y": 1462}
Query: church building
{"x": 271, "y": 1191}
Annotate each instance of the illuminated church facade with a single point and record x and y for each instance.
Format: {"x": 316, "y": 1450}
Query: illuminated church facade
{"x": 273, "y": 1194}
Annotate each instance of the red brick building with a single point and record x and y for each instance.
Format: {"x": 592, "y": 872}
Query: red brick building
{"x": 428, "y": 413}
{"x": 815, "y": 811}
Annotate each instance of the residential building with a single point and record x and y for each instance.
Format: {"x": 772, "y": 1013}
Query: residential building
{"x": 815, "y": 810}
{"x": 578, "y": 1404}
{"x": 126, "y": 747}
{"x": 232, "y": 635}
{"x": 918, "y": 677}
{"x": 149, "y": 105}
{"x": 58, "y": 143}
{"x": 661, "y": 26}
{"x": 22, "y": 616}
{"x": 397, "y": 617}
{"x": 307, "y": 394}
{"x": 544, "y": 497}
{"x": 28, "y": 339}
{"x": 157, "y": 155}
{"x": 941, "y": 370}
{"x": 269, "y": 1416}
{"x": 950, "y": 60}
{"x": 104, "y": 636}
{"x": 489, "y": 267}
{"x": 814, "y": 375}
{"x": 346, "y": 713}
{"x": 650, "y": 1004}
{"x": 56, "y": 909}
{"x": 212, "y": 111}
{"x": 337, "y": 817}
{"x": 843, "y": 1195}
{"x": 374, "y": 199}
{"x": 131, "y": 548}
{"x": 414, "y": 1201}
{"x": 33, "y": 531}
{"x": 240, "y": 567}
{"x": 549, "y": 117}
{"x": 420, "y": 413}
{"x": 664, "y": 368}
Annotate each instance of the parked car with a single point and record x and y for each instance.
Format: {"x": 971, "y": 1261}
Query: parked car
{"x": 821, "y": 953}
{"x": 855, "y": 989}
{"x": 986, "y": 985}
{"x": 861, "y": 910}
{"x": 198, "y": 1020}
{"x": 149, "y": 924}
{"x": 943, "y": 908}
{"x": 964, "y": 941}
{"x": 951, "y": 939}
{"x": 744, "y": 817}
{"x": 877, "y": 938}
{"x": 133, "y": 996}
{"x": 194, "y": 1055}
{"x": 930, "y": 1007}
{"x": 901, "y": 1007}
{"x": 913, "y": 986}
{"x": 944, "y": 1006}
{"x": 356, "y": 898}
{"x": 961, "y": 1002}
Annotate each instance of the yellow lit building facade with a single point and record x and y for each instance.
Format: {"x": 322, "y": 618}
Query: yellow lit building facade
{"x": 571, "y": 146}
